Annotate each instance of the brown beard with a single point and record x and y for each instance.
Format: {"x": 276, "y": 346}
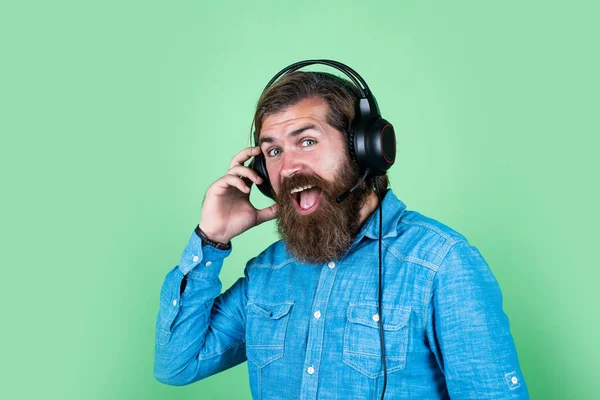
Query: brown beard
{"x": 328, "y": 232}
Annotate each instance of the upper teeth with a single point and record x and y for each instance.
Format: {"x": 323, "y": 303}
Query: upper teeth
{"x": 299, "y": 189}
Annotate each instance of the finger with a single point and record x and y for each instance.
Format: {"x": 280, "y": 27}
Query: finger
{"x": 245, "y": 172}
{"x": 244, "y": 155}
{"x": 266, "y": 214}
{"x": 235, "y": 181}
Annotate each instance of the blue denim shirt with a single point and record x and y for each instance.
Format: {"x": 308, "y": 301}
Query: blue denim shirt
{"x": 311, "y": 332}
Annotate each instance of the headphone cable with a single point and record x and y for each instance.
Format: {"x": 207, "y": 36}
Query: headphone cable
{"x": 379, "y": 293}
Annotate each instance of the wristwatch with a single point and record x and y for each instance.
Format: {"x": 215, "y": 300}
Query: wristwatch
{"x": 207, "y": 241}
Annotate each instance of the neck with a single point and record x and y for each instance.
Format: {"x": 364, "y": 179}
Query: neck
{"x": 368, "y": 208}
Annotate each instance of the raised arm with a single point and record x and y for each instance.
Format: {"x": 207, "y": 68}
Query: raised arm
{"x": 198, "y": 331}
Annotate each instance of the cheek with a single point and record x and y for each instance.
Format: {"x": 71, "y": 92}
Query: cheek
{"x": 330, "y": 165}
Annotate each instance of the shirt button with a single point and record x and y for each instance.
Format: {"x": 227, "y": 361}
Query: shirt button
{"x": 317, "y": 314}
{"x": 208, "y": 263}
{"x": 376, "y": 317}
{"x": 195, "y": 259}
{"x": 311, "y": 370}
{"x": 174, "y": 302}
{"x": 331, "y": 264}
{"x": 514, "y": 380}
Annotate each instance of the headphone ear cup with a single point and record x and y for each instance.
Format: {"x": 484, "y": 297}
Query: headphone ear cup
{"x": 259, "y": 165}
{"x": 351, "y": 145}
{"x": 375, "y": 146}
{"x": 381, "y": 139}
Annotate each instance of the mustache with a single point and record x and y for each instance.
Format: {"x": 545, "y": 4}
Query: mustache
{"x": 303, "y": 180}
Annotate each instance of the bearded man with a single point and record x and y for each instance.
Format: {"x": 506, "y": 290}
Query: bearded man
{"x": 308, "y": 315}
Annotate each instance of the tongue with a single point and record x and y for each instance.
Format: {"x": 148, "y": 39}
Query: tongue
{"x": 309, "y": 197}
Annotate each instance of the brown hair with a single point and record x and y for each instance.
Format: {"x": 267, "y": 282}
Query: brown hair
{"x": 340, "y": 95}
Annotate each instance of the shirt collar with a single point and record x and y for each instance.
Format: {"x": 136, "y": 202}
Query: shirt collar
{"x": 392, "y": 209}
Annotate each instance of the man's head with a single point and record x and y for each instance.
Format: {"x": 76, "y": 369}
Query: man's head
{"x": 302, "y": 122}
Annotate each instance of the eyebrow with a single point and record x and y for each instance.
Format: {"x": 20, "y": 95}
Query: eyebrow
{"x": 293, "y": 133}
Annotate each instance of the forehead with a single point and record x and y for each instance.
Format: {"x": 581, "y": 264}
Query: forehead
{"x": 313, "y": 110}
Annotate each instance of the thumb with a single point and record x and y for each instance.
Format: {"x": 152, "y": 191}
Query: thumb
{"x": 266, "y": 214}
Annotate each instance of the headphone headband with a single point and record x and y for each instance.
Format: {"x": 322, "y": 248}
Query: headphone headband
{"x": 349, "y": 72}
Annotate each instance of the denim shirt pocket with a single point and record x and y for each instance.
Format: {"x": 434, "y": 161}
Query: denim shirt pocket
{"x": 362, "y": 346}
{"x": 266, "y": 326}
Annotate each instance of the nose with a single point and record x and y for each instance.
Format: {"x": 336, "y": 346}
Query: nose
{"x": 291, "y": 165}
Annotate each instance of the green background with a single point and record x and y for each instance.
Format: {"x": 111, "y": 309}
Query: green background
{"x": 117, "y": 115}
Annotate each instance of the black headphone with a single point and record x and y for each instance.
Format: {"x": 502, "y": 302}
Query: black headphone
{"x": 371, "y": 139}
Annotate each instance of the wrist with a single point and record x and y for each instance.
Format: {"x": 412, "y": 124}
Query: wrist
{"x": 213, "y": 236}
{"x": 216, "y": 242}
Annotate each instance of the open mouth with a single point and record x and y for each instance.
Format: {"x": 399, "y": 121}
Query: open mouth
{"x": 306, "y": 198}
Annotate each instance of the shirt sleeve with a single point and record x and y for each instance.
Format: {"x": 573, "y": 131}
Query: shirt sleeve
{"x": 469, "y": 332}
{"x": 199, "y": 332}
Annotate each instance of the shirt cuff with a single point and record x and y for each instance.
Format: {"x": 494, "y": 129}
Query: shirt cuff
{"x": 201, "y": 262}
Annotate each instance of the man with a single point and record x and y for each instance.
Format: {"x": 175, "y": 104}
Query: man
{"x": 306, "y": 314}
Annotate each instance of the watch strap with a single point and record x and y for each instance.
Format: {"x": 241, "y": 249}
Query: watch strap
{"x": 207, "y": 241}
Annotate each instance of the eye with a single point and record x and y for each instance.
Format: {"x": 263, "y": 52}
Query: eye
{"x": 274, "y": 152}
{"x": 308, "y": 142}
